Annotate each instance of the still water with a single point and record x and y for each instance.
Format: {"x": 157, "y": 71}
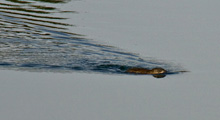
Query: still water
{"x": 35, "y": 37}
{"x": 58, "y": 60}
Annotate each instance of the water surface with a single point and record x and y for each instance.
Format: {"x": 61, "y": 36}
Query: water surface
{"x": 33, "y": 36}
{"x": 65, "y": 37}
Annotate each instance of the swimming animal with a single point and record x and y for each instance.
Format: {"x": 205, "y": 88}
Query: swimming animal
{"x": 153, "y": 71}
{"x": 156, "y": 72}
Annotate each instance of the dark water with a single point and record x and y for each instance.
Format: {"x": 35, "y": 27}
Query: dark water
{"x": 34, "y": 37}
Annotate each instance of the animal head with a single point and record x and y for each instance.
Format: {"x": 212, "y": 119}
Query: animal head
{"x": 158, "y": 71}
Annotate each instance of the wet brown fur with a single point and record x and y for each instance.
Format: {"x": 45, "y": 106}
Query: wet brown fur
{"x": 146, "y": 71}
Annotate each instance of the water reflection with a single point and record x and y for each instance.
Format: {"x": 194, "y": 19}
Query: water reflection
{"x": 49, "y": 1}
{"x": 32, "y": 38}
{"x": 53, "y": 1}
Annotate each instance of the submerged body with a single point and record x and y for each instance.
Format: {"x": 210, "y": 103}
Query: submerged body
{"x": 146, "y": 71}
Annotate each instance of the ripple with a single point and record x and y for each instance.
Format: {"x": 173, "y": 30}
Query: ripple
{"x": 32, "y": 41}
